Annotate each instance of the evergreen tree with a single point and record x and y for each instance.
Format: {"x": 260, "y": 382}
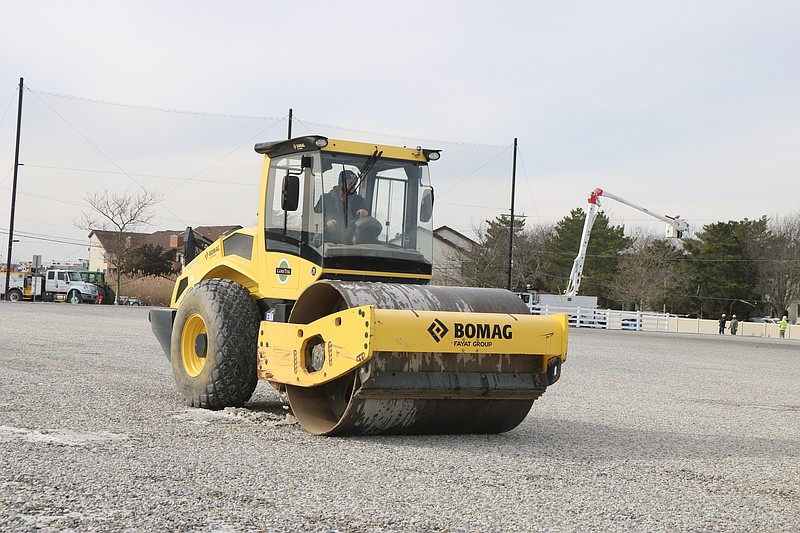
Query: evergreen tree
{"x": 723, "y": 270}
{"x": 148, "y": 260}
{"x": 606, "y": 244}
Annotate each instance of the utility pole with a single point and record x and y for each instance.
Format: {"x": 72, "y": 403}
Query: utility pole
{"x": 511, "y": 226}
{"x": 14, "y": 189}
{"x": 290, "y": 124}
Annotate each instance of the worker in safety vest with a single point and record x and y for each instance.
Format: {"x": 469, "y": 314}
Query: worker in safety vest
{"x": 783, "y": 324}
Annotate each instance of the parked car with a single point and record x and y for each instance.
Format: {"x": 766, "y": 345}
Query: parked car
{"x": 763, "y": 319}
{"x": 127, "y": 300}
{"x": 631, "y": 323}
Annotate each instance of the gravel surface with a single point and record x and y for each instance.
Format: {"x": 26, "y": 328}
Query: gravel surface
{"x": 644, "y": 432}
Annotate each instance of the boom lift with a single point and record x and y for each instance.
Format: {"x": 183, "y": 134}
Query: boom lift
{"x": 676, "y": 226}
{"x": 341, "y": 318}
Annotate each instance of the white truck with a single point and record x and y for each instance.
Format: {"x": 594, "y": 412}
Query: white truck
{"x": 539, "y": 302}
{"x": 582, "y": 310}
{"x": 56, "y": 284}
{"x": 68, "y": 285}
{"x": 536, "y": 300}
{"x": 21, "y": 286}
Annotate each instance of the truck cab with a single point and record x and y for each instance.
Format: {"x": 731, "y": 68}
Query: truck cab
{"x": 68, "y": 285}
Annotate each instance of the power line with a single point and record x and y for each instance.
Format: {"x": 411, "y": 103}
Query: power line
{"x": 10, "y": 170}
{"x": 158, "y": 176}
{"x": 153, "y": 108}
{"x": 275, "y": 120}
{"x": 397, "y": 136}
{"x": 254, "y": 117}
{"x": 187, "y": 180}
{"x": 44, "y": 197}
{"x": 472, "y": 205}
{"x": 459, "y": 182}
{"x": 8, "y": 106}
{"x": 223, "y": 157}
{"x": 96, "y": 148}
{"x": 44, "y": 237}
{"x": 85, "y": 138}
{"x": 528, "y": 181}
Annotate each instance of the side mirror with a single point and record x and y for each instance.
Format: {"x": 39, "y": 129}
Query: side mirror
{"x": 426, "y": 207}
{"x": 306, "y": 161}
{"x": 291, "y": 192}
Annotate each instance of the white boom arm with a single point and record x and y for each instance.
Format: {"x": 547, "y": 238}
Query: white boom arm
{"x": 675, "y": 228}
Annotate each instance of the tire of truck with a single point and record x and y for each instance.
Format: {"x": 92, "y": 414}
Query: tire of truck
{"x": 74, "y": 297}
{"x": 214, "y": 345}
{"x": 14, "y": 295}
{"x": 110, "y": 295}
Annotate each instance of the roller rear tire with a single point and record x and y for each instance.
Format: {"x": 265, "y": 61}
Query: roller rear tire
{"x": 214, "y": 345}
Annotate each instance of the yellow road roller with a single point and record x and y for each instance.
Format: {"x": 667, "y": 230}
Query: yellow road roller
{"x": 329, "y": 299}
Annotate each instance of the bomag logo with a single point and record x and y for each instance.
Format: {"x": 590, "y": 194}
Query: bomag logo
{"x": 480, "y": 335}
{"x": 469, "y": 334}
{"x": 482, "y": 331}
{"x": 299, "y": 146}
{"x": 211, "y": 252}
{"x": 437, "y": 330}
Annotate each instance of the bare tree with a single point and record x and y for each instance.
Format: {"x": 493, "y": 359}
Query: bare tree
{"x": 447, "y": 268}
{"x": 530, "y": 261}
{"x": 486, "y": 263}
{"x": 648, "y": 273}
{"x": 778, "y": 263}
{"x": 120, "y": 214}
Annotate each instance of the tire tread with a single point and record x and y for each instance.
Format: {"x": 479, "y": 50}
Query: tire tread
{"x": 233, "y": 317}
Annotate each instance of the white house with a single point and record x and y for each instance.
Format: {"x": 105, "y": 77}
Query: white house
{"x": 449, "y": 249}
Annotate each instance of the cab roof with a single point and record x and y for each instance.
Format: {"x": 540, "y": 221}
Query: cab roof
{"x": 311, "y": 143}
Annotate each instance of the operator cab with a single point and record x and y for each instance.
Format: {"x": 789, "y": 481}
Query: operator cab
{"x": 378, "y": 220}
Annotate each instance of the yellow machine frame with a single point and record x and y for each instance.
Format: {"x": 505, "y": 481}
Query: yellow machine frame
{"x": 348, "y": 366}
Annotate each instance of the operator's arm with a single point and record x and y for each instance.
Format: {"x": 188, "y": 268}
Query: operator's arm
{"x": 359, "y": 206}
{"x": 326, "y": 206}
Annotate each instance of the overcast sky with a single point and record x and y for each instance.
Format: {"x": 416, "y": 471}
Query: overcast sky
{"x": 684, "y": 107}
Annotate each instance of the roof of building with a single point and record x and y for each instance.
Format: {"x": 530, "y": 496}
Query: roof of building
{"x": 441, "y": 234}
{"x": 160, "y": 238}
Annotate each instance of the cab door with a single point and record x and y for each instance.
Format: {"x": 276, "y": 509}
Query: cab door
{"x": 295, "y": 231}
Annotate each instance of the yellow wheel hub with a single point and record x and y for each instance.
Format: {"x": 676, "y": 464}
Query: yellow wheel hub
{"x": 194, "y": 345}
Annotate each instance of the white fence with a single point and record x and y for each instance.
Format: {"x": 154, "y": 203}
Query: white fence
{"x": 608, "y": 318}
{"x": 746, "y": 329}
{"x": 648, "y": 321}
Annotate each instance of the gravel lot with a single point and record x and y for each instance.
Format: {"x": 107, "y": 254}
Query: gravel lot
{"x": 644, "y": 432}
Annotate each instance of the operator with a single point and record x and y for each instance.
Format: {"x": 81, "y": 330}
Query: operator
{"x": 342, "y": 205}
